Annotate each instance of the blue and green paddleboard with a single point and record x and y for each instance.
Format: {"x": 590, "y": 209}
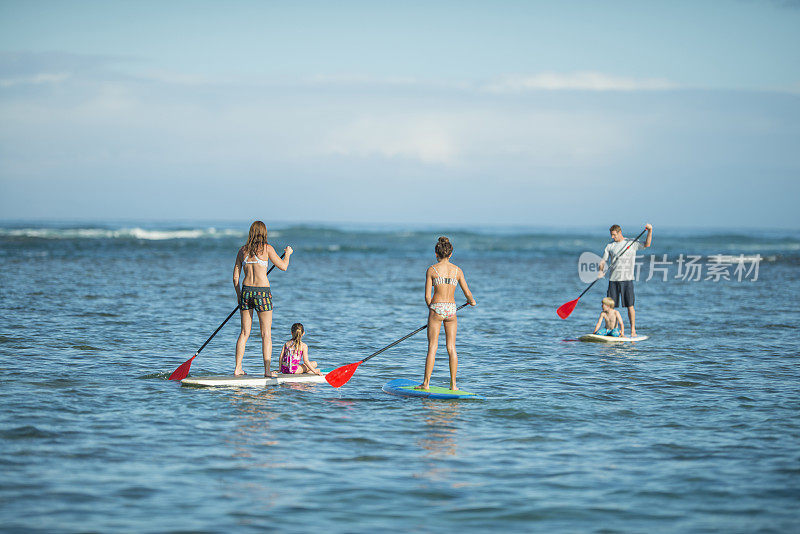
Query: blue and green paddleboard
{"x": 405, "y": 388}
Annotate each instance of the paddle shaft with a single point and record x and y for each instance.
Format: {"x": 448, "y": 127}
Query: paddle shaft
{"x": 217, "y": 330}
{"x": 615, "y": 262}
{"x": 389, "y": 346}
{"x": 228, "y": 318}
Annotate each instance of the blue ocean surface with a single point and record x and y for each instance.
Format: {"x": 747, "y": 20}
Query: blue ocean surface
{"x": 696, "y": 429}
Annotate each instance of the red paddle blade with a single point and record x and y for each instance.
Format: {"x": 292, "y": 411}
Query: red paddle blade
{"x": 339, "y": 376}
{"x": 565, "y": 309}
{"x": 183, "y": 371}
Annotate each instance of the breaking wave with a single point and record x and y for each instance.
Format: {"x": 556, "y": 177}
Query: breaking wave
{"x": 121, "y": 233}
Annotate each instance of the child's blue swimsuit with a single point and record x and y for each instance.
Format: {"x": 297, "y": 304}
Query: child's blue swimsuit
{"x": 606, "y": 332}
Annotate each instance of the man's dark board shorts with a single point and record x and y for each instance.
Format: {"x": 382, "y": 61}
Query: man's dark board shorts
{"x": 622, "y": 293}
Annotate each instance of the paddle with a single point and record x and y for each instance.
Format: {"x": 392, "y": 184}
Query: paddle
{"x": 183, "y": 370}
{"x": 566, "y": 309}
{"x": 339, "y": 376}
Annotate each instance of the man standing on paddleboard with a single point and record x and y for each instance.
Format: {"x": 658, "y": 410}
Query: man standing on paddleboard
{"x": 621, "y": 255}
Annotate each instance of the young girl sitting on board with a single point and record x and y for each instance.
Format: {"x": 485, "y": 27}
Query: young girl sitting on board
{"x": 255, "y": 293}
{"x": 441, "y": 280}
{"x": 614, "y": 325}
{"x": 294, "y": 355}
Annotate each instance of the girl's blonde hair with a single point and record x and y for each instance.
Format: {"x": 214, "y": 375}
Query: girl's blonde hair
{"x": 608, "y": 301}
{"x": 257, "y": 239}
{"x": 297, "y": 335}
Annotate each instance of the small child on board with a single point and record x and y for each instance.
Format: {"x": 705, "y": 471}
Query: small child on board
{"x": 614, "y": 326}
{"x": 294, "y": 355}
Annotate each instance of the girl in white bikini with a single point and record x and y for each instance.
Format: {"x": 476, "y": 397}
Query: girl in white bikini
{"x": 255, "y": 293}
{"x": 442, "y": 278}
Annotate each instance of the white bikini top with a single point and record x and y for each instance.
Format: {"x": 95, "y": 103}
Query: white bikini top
{"x": 441, "y": 280}
{"x": 257, "y": 260}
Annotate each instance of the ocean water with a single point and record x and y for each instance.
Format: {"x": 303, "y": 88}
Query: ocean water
{"x": 696, "y": 429}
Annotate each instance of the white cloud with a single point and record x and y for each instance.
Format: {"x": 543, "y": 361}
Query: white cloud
{"x": 792, "y": 89}
{"x": 328, "y": 79}
{"x": 425, "y": 138}
{"x": 577, "y": 81}
{"x": 549, "y": 81}
{"x": 36, "y": 79}
{"x": 471, "y": 137}
{"x": 388, "y": 82}
{"x": 180, "y": 78}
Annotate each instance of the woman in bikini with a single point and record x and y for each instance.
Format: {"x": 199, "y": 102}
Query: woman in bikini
{"x": 254, "y": 293}
{"x": 442, "y": 278}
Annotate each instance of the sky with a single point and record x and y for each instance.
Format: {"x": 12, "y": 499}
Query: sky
{"x": 678, "y": 113}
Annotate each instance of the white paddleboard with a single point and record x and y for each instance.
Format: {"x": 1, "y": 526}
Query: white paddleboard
{"x": 251, "y": 380}
{"x": 610, "y": 339}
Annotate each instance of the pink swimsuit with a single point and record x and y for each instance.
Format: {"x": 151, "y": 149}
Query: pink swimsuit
{"x": 291, "y": 358}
